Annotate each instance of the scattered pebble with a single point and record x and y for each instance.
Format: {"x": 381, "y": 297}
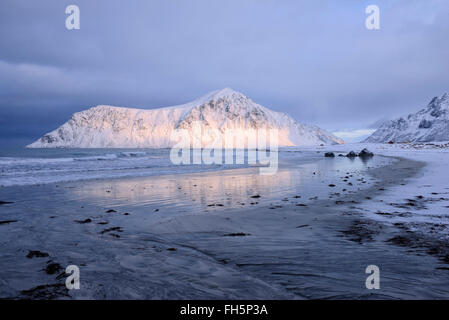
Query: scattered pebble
{"x": 119, "y": 229}
{"x": 36, "y": 254}
{"x": 53, "y": 268}
{"x": 88, "y": 220}
{"x": 236, "y": 234}
{"x": 7, "y": 221}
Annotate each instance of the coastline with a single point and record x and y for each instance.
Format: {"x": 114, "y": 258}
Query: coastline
{"x": 277, "y": 250}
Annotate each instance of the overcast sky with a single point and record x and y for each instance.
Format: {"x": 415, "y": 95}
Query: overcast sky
{"x": 312, "y": 59}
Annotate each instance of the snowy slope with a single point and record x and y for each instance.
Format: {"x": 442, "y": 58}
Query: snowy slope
{"x": 116, "y": 127}
{"x": 428, "y": 124}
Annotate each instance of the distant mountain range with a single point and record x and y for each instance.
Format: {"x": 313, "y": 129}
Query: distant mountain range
{"x": 428, "y": 124}
{"x": 117, "y": 127}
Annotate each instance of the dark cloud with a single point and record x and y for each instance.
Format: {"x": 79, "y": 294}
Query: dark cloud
{"x": 312, "y": 59}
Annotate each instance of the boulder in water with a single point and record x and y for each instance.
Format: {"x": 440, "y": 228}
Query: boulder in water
{"x": 365, "y": 153}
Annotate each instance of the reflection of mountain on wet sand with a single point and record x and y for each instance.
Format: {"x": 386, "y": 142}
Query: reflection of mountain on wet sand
{"x": 217, "y": 234}
{"x": 217, "y": 190}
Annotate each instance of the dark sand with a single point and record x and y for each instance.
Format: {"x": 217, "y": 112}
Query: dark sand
{"x": 239, "y": 237}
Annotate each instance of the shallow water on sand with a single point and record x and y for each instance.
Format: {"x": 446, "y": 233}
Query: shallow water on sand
{"x": 40, "y": 166}
{"x": 221, "y": 234}
{"x": 304, "y": 175}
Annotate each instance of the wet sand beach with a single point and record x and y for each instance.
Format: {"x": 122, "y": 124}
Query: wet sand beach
{"x": 229, "y": 234}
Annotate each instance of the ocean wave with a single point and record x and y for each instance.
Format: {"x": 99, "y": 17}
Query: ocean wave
{"x": 133, "y": 154}
{"x": 33, "y": 167}
{"x": 19, "y": 161}
{"x": 110, "y": 156}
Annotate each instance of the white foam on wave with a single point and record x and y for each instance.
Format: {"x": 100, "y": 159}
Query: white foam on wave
{"x": 17, "y": 171}
{"x": 110, "y": 156}
{"x": 5, "y": 161}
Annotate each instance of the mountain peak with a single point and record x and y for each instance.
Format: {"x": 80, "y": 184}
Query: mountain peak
{"x": 444, "y": 100}
{"x": 225, "y": 109}
{"x": 428, "y": 124}
{"x": 223, "y": 93}
{"x": 437, "y": 102}
{"x": 226, "y": 92}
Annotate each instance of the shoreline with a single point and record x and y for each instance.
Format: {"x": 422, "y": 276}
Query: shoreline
{"x": 278, "y": 251}
{"x": 338, "y": 216}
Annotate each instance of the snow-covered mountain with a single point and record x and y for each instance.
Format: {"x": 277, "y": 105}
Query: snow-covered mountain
{"x": 377, "y": 124}
{"x": 116, "y": 127}
{"x": 428, "y": 124}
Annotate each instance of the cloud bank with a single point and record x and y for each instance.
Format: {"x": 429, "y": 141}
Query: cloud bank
{"x": 312, "y": 59}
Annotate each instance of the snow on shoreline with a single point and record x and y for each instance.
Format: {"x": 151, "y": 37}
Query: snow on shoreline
{"x": 423, "y": 201}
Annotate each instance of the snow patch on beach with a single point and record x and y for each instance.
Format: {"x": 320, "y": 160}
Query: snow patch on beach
{"x": 421, "y": 202}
